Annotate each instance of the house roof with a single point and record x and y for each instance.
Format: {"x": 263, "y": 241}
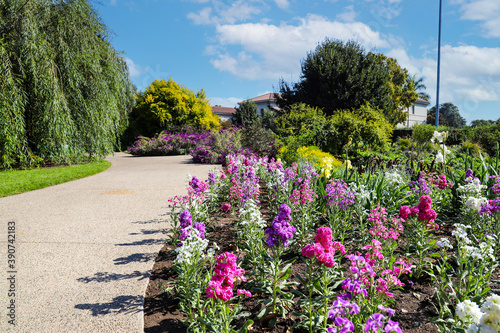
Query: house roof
{"x": 265, "y": 97}
{"x": 223, "y": 110}
{"x": 422, "y": 101}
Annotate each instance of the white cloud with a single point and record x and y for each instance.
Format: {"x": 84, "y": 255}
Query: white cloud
{"x": 384, "y": 11}
{"x": 485, "y": 11}
{"x": 349, "y": 15}
{"x": 113, "y": 2}
{"x": 135, "y": 70}
{"x": 202, "y": 17}
{"x": 283, "y": 4}
{"x": 271, "y": 51}
{"x": 469, "y": 75}
{"x": 222, "y": 13}
{"x": 229, "y": 102}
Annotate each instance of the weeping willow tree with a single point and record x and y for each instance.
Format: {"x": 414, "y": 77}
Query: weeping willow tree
{"x": 64, "y": 90}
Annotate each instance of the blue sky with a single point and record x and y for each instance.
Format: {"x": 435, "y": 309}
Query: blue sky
{"x": 240, "y": 49}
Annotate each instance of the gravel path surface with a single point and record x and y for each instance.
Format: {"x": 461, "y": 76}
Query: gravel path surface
{"x": 84, "y": 250}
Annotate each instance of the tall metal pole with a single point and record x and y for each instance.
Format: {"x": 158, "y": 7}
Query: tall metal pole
{"x": 438, "y": 64}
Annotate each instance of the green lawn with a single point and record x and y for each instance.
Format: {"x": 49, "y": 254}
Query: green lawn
{"x": 20, "y": 181}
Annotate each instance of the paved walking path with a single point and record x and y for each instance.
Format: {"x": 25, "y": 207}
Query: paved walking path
{"x": 84, "y": 250}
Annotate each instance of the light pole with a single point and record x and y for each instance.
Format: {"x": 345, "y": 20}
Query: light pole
{"x": 438, "y": 64}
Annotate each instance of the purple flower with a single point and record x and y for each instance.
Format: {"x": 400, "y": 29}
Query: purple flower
{"x": 469, "y": 173}
{"x": 345, "y": 325}
{"x": 392, "y": 327}
{"x": 184, "y": 234}
{"x": 197, "y": 185}
{"x": 211, "y": 178}
{"x": 338, "y": 194}
{"x": 390, "y": 312}
{"x": 280, "y": 230}
{"x": 185, "y": 218}
{"x": 201, "y": 228}
{"x": 374, "y": 323}
{"x": 490, "y": 207}
{"x": 420, "y": 186}
{"x": 354, "y": 287}
{"x": 342, "y": 306}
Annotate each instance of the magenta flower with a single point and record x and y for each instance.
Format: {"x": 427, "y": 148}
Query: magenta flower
{"x": 323, "y": 248}
{"x": 244, "y": 292}
{"x": 225, "y": 274}
{"x": 226, "y": 207}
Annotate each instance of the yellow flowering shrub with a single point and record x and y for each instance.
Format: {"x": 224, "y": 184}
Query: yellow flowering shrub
{"x": 325, "y": 162}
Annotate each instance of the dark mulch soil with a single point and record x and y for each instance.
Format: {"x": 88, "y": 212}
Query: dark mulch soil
{"x": 413, "y": 305}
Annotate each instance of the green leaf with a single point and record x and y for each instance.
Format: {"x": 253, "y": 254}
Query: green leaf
{"x": 262, "y": 313}
{"x": 244, "y": 328}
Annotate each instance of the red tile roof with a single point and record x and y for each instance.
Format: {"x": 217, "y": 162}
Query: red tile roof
{"x": 223, "y": 110}
{"x": 422, "y": 101}
{"x": 265, "y": 97}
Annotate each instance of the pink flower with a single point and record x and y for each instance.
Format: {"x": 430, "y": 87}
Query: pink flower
{"x": 324, "y": 237}
{"x": 312, "y": 250}
{"x": 323, "y": 248}
{"x": 404, "y": 212}
{"x": 225, "y": 274}
{"x": 226, "y": 207}
{"x": 244, "y": 292}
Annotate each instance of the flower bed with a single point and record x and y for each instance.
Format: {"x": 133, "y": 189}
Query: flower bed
{"x": 353, "y": 253}
{"x": 165, "y": 144}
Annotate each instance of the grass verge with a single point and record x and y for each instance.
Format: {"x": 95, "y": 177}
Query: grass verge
{"x": 20, "y": 181}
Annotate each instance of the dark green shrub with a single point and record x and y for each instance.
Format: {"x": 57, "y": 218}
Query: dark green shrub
{"x": 487, "y": 137}
{"x": 423, "y": 133}
{"x": 260, "y": 140}
{"x": 405, "y": 144}
{"x": 297, "y": 119}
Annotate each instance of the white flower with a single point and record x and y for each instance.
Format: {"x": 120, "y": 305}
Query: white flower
{"x": 445, "y": 149}
{"x": 468, "y": 312}
{"x": 192, "y": 248}
{"x": 489, "y": 315}
{"x": 460, "y": 233}
{"x": 444, "y": 242}
{"x": 250, "y": 215}
{"x": 475, "y": 203}
{"x": 473, "y": 329}
{"x": 490, "y": 322}
{"x": 439, "y": 136}
{"x": 439, "y": 157}
{"x": 394, "y": 178}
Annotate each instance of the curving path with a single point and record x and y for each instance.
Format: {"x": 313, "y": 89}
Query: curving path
{"x": 85, "y": 249}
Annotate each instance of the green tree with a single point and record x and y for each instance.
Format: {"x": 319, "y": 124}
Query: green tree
{"x": 342, "y": 76}
{"x": 166, "y": 105}
{"x": 482, "y": 122}
{"x": 246, "y": 114}
{"x": 449, "y": 115}
{"x": 64, "y": 89}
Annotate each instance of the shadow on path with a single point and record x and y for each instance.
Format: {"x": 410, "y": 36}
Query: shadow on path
{"x": 121, "y": 304}
{"x": 108, "y": 277}
{"x": 144, "y": 242}
{"x": 136, "y": 257}
{"x": 150, "y": 232}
